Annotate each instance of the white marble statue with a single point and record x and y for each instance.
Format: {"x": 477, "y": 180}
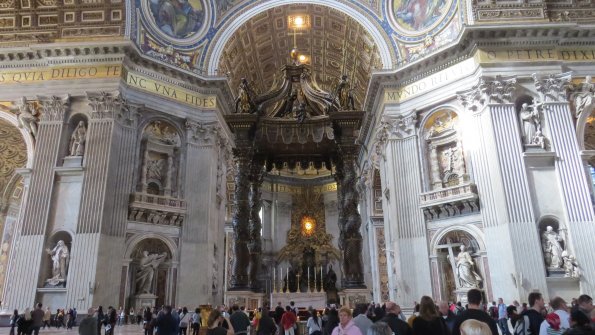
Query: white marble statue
{"x": 78, "y": 139}
{"x": 552, "y": 248}
{"x": 464, "y": 272}
{"x": 147, "y": 266}
{"x": 570, "y": 266}
{"x": 531, "y": 125}
{"x": 27, "y": 117}
{"x": 584, "y": 97}
{"x": 60, "y": 258}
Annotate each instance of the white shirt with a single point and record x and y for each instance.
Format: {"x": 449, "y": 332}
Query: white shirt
{"x": 564, "y": 322}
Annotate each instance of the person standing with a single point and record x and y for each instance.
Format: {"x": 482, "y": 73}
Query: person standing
{"x": 37, "y": 316}
{"x": 395, "y": 323}
{"x": 533, "y": 314}
{"x": 447, "y": 314}
{"x": 314, "y": 323}
{"x": 346, "y": 325}
{"x": 14, "y": 319}
{"x": 89, "y": 323}
{"x": 360, "y": 319}
{"x": 561, "y": 309}
{"x": 429, "y": 321}
{"x": 184, "y": 321}
{"x": 196, "y": 321}
{"x": 475, "y": 312}
{"x": 166, "y": 322}
{"x": 214, "y": 324}
{"x": 503, "y": 317}
{"x": 239, "y": 320}
{"x": 266, "y": 325}
{"x": 288, "y": 320}
{"x": 112, "y": 317}
{"x": 47, "y": 317}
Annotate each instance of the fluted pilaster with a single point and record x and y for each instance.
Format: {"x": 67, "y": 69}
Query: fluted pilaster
{"x": 404, "y": 223}
{"x": 573, "y": 181}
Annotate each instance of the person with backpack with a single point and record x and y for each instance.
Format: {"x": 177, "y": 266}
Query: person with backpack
{"x": 530, "y": 320}
{"x": 551, "y": 325}
{"x": 475, "y": 312}
{"x": 314, "y": 323}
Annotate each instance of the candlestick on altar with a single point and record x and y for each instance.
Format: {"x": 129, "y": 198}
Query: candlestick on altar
{"x": 321, "y": 278}
{"x": 315, "y": 288}
{"x": 274, "y": 284}
{"x": 298, "y": 283}
{"x": 309, "y": 287}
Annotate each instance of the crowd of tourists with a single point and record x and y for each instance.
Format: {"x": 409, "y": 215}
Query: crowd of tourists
{"x": 429, "y": 318}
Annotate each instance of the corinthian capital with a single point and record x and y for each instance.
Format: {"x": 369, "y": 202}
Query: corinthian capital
{"x": 203, "y": 133}
{"x": 553, "y": 87}
{"x": 53, "y": 108}
{"x": 498, "y": 90}
{"x": 397, "y": 127}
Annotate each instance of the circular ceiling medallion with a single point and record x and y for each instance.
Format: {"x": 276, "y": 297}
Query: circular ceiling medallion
{"x": 181, "y": 22}
{"x": 418, "y": 17}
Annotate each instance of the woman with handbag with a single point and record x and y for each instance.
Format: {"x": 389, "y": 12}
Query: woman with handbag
{"x": 184, "y": 321}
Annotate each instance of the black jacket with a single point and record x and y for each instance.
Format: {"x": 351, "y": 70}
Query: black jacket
{"x": 398, "y": 326}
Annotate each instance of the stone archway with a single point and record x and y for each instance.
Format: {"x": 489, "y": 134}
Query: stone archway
{"x": 152, "y": 273}
{"x": 13, "y": 155}
{"x": 448, "y": 281}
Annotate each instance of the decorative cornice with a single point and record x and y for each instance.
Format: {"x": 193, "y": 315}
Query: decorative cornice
{"x": 496, "y": 90}
{"x": 553, "y": 87}
{"x": 53, "y": 108}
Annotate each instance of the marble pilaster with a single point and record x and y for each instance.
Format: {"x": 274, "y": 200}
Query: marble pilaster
{"x": 404, "y": 227}
{"x": 573, "y": 181}
{"x": 203, "y": 224}
{"x": 507, "y": 212}
{"x": 30, "y": 242}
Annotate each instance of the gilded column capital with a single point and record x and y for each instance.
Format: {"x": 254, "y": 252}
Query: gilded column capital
{"x": 53, "y": 108}
{"x": 497, "y": 90}
{"x": 553, "y": 87}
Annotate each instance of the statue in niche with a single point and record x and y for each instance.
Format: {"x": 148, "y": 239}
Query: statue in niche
{"x": 531, "y": 125}
{"x": 552, "y": 244}
{"x": 148, "y": 265}
{"x": 78, "y": 139}
{"x": 584, "y": 96}
{"x": 290, "y": 281}
{"x": 345, "y": 94}
{"x": 60, "y": 259}
{"x": 570, "y": 266}
{"x": 464, "y": 271}
{"x": 27, "y": 117}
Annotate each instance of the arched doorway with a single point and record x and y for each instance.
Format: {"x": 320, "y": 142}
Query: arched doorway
{"x": 13, "y": 155}
{"x": 151, "y": 273}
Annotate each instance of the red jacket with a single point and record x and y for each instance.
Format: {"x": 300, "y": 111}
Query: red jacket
{"x": 288, "y": 320}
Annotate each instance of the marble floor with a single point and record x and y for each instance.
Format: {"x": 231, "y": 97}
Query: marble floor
{"x": 122, "y": 330}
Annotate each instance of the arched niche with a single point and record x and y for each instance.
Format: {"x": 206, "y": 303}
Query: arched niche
{"x": 160, "y": 157}
{"x": 554, "y": 241}
{"x": 55, "y": 255}
{"x": 445, "y": 251}
{"x": 156, "y": 254}
{"x": 443, "y": 152}
{"x": 74, "y": 140}
{"x": 14, "y": 155}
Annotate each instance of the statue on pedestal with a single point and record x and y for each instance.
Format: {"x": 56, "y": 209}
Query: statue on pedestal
{"x": 584, "y": 97}
{"x": 531, "y": 125}
{"x": 144, "y": 275}
{"x": 27, "y": 117}
{"x": 345, "y": 94}
{"x": 78, "y": 139}
{"x": 60, "y": 259}
{"x": 551, "y": 242}
{"x": 464, "y": 272}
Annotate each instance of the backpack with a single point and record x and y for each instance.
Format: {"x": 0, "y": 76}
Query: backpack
{"x": 522, "y": 326}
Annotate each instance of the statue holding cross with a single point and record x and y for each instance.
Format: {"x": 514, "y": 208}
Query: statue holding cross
{"x": 462, "y": 265}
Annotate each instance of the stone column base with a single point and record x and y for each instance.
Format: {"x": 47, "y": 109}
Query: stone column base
{"x": 352, "y": 296}
{"x": 249, "y": 299}
{"x": 144, "y": 300}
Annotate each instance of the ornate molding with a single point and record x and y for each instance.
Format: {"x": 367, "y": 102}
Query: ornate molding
{"x": 553, "y": 87}
{"x": 204, "y": 134}
{"x": 111, "y": 105}
{"x": 454, "y": 201}
{"x": 155, "y": 209}
{"x": 53, "y": 108}
{"x": 498, "y": 90}
{"x": 396, "y": 127}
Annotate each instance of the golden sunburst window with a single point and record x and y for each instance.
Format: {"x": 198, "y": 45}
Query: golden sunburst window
{"x": 308, "y": 225}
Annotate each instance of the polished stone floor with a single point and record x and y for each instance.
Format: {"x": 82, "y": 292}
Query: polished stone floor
{"x": 121, "y": 330}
